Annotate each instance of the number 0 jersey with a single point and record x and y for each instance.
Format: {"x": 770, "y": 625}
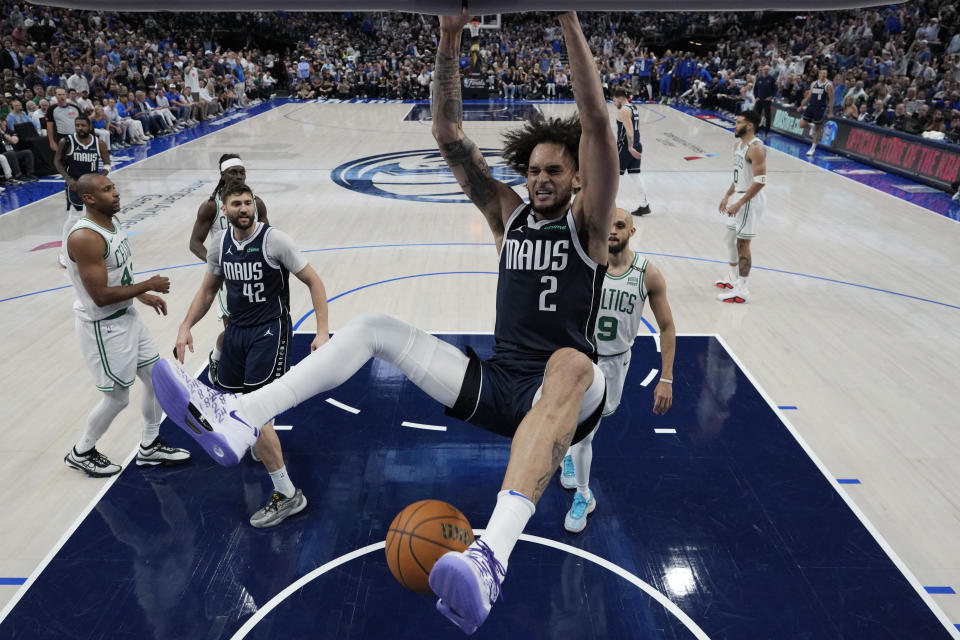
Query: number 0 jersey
{"x": 620, "y": 308}
{"x": 119, "y": 263}
{"x": 742, "y": 168}
{"x": 548, "y": 289}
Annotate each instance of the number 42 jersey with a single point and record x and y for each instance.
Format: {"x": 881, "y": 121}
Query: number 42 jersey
{"x": 256, "y": 271}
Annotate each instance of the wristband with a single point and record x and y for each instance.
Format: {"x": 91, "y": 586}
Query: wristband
{"x": 105, "y": 167}
{"x": 760, "y": 179}
{"x": 667, "y": 380}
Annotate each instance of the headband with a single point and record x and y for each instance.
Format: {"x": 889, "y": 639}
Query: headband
{"x": 230, "y": 162}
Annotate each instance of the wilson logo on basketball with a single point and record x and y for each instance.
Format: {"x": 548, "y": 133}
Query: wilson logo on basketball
{"x": 455, "y": 533}
{"x": 420, "y": 176}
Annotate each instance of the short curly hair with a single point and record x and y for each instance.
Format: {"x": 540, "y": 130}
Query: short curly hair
{"x": 519, "y": 143}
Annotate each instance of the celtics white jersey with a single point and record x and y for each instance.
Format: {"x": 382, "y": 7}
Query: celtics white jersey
{"x": 742, "y": 169}
{"x": 119, "y": 264}
{"x": 620, "y": 308}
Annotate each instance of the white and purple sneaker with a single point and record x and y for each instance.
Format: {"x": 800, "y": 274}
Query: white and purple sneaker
{"x": 210, "y": 416}
{"x": 467, "y": 583}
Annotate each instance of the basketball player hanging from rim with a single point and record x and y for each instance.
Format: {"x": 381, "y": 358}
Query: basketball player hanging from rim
{"x": 542, "y": 387}
{"x": 819, "y": 107}
{"x": 211, "y": 222}
{"x": 630, "y": 150}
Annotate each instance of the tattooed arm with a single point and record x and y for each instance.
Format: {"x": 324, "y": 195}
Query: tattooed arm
{"x": 599, "y": 163}
{"x": 494, "y": 199}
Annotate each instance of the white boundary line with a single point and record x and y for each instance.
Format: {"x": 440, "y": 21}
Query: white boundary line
{"x": 667, "y": 604}
{"x": 848, "y": 159}
{"x": 345, "y": 407}
{"x": 417, "y": 425}
{"x": 951, "y": 629}
{"x": 650, "y": 376}
{"x": 72, "y": 528}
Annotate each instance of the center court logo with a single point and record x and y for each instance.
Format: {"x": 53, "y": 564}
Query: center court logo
{"x": 420, "y": 176}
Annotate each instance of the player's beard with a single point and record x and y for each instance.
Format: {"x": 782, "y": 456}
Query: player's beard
{"x": 556, "y": 209}
{"x": 617, "y": 248}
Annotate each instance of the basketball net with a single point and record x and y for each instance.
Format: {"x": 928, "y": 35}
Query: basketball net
{"x": 474, "y": 28}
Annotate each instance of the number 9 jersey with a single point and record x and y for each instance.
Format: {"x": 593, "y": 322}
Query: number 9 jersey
{"x": 620, "y": 309}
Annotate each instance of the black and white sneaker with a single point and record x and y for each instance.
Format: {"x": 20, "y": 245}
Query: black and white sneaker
{"x": 212, "y": 369}
{"x": 641, "y": 210}
{"x": 93, "y": 463}
{"x": 159, "y": 452}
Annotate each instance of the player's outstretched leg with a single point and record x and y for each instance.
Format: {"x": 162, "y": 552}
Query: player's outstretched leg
{"x": 227, "y": 425}
{"x": 208, "y": 415}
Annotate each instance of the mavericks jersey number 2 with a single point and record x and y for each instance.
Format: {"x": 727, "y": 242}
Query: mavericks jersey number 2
{"x": 548, "y": 289}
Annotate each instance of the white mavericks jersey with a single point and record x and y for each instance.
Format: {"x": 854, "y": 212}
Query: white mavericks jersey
{"x": 620, "y": 309}
{"x": 743, "y": 170}
{"x": 119, "y": 264}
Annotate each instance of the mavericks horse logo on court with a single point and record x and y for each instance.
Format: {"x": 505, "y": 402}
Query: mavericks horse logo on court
{"x": 421, "y": 176}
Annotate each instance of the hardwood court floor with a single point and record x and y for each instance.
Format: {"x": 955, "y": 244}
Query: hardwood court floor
{"x": 853, "y": 317}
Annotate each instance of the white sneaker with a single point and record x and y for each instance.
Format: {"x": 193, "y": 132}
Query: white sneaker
{"x": 160, "y": 453}
{"x": 726, "y": 283}
{"x": 211, "y": 417}
{"x": 811, "y": 150}
{"x": 467, "y": 583}
{"x": 736, "y": 295}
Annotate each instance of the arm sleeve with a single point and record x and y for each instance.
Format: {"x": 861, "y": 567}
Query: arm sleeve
{"x": 213, "y": 258}
{"x": 279, "y": 249}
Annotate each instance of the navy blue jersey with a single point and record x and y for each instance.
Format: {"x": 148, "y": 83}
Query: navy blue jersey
{"x": 818, "y": 96}
{"x": 83, "y": 159}
{"x": 548, "y": 291}
{"x": 622, "y": 131}
{"x": 257, "y": 291}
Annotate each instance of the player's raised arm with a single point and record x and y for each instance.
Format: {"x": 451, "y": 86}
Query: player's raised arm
{"x": 494, "y": 199}
{"x": 599, "y": 163}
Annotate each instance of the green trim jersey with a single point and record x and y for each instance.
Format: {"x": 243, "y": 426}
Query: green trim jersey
{"x": 621, "y": 307}
{"x": 118, "y": 260}
{"x": 742, "y": 169}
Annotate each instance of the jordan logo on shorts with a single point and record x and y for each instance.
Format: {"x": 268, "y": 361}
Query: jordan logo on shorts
{"x": 268, "y": 333}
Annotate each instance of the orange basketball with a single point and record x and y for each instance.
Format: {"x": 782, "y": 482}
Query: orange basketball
{"x": 419, "y": 535}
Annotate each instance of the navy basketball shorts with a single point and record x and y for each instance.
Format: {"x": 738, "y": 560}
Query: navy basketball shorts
{"x": 255, "y": 355}
{"x": 73, "y": 200}
{"x": 628, "y": 164}
{"x": 498, "y": 393}
{"x": 815, "y": 115}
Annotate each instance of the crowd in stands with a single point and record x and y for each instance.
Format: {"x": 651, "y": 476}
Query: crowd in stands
{"x": 140, "y": 75}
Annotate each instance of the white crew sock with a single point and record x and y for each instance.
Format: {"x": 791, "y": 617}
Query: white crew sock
{"x": 507, "y": 522}
{"x": 742, "y": 283}
{"x": 282, "y": 483}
